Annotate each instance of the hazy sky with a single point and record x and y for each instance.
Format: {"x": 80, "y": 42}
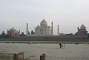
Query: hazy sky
{"x": 69, "y": 14}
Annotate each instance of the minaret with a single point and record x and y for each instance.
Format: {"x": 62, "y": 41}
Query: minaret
{"x": 78, "y": 28}
{"x": 52, "y": 28}
{"x": 58, "y": 29}
{"x": 27, "y": 31}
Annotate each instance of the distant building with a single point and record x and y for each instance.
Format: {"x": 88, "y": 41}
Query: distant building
{"x": 82, "y": 32}
{"x": 13, "y": 33}
{"x": 58, "y": 30}
{"x": 43, "y": 29}
{"x": 27, "y": 30}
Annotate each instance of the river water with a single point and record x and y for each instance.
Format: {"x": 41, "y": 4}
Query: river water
{"x": 52, "y": 51}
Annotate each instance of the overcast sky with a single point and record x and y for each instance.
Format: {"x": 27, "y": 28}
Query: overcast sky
{"x": 69, "y": 14}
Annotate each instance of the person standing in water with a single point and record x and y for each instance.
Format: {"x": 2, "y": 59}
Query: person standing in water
{"x": 60, "y": 44}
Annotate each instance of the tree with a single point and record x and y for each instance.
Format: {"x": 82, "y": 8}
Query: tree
{"x": 22, "y": 34}
{"x": 3, "y": 33}
{"x": 32, "y": 32}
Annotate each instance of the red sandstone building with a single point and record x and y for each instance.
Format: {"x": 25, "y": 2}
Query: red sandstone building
{"x": 82, "y": 32}
{"x": 13, "y": 33}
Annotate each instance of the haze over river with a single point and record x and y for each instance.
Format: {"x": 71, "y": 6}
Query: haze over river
{"x": 52, "y": 51}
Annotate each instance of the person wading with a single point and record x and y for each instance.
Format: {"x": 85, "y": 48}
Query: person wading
{"x": 60, "y": 45}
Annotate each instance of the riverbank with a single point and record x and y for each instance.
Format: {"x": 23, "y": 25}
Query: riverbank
{"x": 52, "y": 51}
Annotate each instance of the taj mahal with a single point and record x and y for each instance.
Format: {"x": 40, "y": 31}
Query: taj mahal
{"x": 43, "y": 29}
